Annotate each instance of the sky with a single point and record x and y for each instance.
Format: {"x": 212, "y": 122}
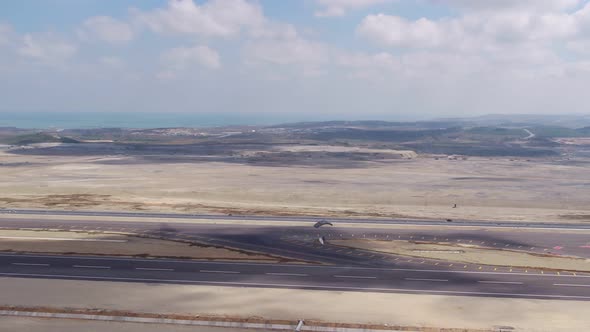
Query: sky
{"x": 296, "y": 59}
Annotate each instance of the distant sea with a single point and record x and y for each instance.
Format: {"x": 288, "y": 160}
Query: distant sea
{"x": 84, "y": 120}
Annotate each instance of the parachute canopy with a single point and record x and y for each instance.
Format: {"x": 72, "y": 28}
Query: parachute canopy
{"x": 322, "y": 223}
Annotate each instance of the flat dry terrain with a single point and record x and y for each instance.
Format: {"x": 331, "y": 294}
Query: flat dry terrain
{"x": 29, "y": 324}
{"x": 461, "y": 253}
{"x": 117, "y": 245}
{"x": 483, "y": 188}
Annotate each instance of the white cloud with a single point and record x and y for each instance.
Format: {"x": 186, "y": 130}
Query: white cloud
{"x": 112, "y": 62}
{"x": 274, "y": 30}
{"x": 370, "y": 67}
{"x": 487, "y": 55}
{"x": 183, "y": 57}
{"x": 265, "y": 41}
{"x": 511, "y": 5}
{"x": 6, "y": 34}
{"x": 418, "y": 65}
{"x": 398, "y": 31}
{"x": 434, "y": 65}
{"x": 581, "y": 47}
{"x": 287, "y": 51}
{"x": 478, "y": 30}
{"x": 488, "y": 43}
{"x": 381, "y": 60}
{"x": 331, "y": 8}
{"x": 46, "y": 48}
{"x": 166, "y": 75}
{"x": 106, "y": 29}
{"x": 215, "y": 18}
{"x": 278, "y": 51}
{"x": 520, "y": 26}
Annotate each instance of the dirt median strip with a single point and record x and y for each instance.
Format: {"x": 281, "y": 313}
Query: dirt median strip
{"x": 468, "y": 254}
{"x": 132, "y": 220}
{"x": 125, "y": 244}
{"x": 57, "y": 239}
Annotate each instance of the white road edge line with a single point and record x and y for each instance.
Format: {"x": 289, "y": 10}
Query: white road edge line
{"x": 255, "y": 284}
{"x": 214, "y": 271}
{"x": 31, "y": 264}
{"x": 424, "y": 279}
{"x": 288, "y": 274}
{"x": 356, "y": 277}
{"x": 152, "y": 269}
{"x": 92, "y": 266}
{"x": 500, "y": 282}
{"x": 571, "y": 285}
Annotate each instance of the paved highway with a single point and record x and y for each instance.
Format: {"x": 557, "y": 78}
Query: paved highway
{"x": 425, "y": 222}
{"x": 331, "y": 278}
{"x": 301, "y": 242}
{"x": 352, "y": 270}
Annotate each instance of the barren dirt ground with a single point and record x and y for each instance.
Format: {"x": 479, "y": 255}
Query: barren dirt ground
{"x": 482, "y": 188}
{"x": 117, "y": 245}
{"x": 28, "y": 324}
{"x": 469, "y": 254}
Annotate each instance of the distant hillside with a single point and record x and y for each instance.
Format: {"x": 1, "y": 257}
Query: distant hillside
{"x": 26, "y": 139}
{"x": 571, "y": 121}
{"x": 368, "y": 124}
{"x": 524, "y": 120}
{"x": 496, "y": 131}
{"x": 557, "y": 131}
{"x": 515, "y": 138}
{"x": 381, "y": 135}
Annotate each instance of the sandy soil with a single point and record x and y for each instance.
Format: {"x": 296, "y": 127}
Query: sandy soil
{"x": 290, "y": 304}
{"x": 463, "y": 253}
{"x": 30, "y": 324}
{"x": 328, "y": 148}
{"x": 118, "y": 245}
{"x": 488, "y": 189}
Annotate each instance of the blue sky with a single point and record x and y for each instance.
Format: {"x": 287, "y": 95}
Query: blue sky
{"x": 296, "y": 59}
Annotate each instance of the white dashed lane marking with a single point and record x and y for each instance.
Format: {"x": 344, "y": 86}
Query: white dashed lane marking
{"x": 30, "y": 264}
{"x": 152, "y": 269}
{"x": 571, "y": 285}
{"x": 356, "y": 277}
{"x": 216, "y": 271}
{"x": 421, "y": 279}
{"x": 288, "y": 274}
{"x": 500, "y": 282}
{"x": 92, "y": 266}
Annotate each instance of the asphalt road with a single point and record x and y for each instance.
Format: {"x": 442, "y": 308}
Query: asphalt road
{"x": 301, "y": 242}
{"x": 315, "y": 277}
{"x": 468, "y": 223}
{"x": 350, "y": 270}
